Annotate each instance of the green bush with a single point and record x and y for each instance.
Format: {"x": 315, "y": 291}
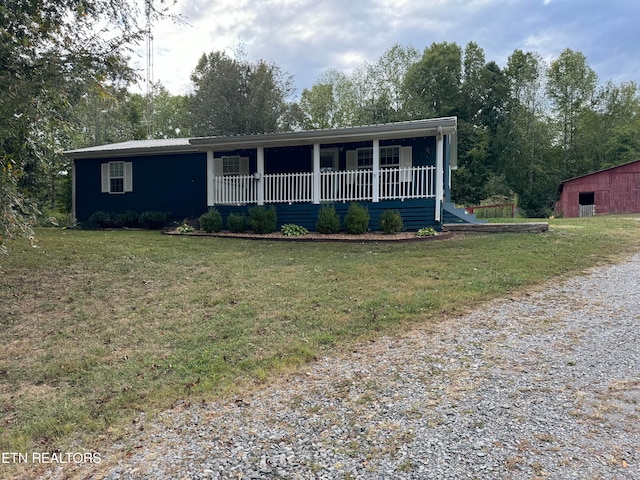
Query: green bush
{"x": 356, "y": 220}
{"x": 153, "y": 220}
{"x": 291, "y": 230}
{"x": 211, "y": 221}
{"x": 426, "y": 232}
{"x": 102, "y": 219}
{"x": 263, "y": 219}
{"x": 390, "y": 221}
{"x": 328, "y": 221}
{"x": 128, "y": 219}
{"x": 237, "y": 223}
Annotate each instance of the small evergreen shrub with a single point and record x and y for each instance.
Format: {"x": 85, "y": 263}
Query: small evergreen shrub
{"x": 263, "y": 219}
{"x": 211, "y": 221}
{"x": 291, "y": 230}
{"x": 356, "y": 220}
{"x": 237, "y": 223}
{"x": 328, "y": 221}
{"x": 390, "y": 221}
{"x": 102, "y": 219}
{"x": 128, "y": 219}
{"x": 153, "y": 220}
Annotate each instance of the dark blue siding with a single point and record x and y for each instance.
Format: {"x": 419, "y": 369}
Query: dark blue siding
{"x": 415, "y": 214}
{"x": 168, "y": 183}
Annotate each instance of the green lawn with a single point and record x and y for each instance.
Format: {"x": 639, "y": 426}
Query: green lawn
{"x": 99, "y": 325}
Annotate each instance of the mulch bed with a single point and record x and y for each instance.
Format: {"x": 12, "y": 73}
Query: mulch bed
{"x": 371, "y": 237}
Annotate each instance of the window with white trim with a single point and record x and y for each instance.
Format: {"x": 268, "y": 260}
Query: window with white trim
{"x": 390, "y": 156}
{"x": 365, "y": 157}
{"x": 231, "y": 165}
{"x": 117, "y": 177}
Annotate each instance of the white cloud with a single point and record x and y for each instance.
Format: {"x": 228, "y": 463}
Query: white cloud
{"x": 307, "y": 37}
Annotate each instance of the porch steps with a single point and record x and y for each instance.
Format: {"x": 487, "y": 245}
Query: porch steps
{"x": 451, "y": 214}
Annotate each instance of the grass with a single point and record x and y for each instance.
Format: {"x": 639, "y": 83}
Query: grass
{"x": 97, "y": 326}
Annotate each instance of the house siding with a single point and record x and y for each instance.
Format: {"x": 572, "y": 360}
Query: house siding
{"x": 168, "y": 183}
{"x": 616, "y": 190}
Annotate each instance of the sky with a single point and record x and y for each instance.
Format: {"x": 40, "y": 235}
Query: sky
{"x": 307, "y": 37}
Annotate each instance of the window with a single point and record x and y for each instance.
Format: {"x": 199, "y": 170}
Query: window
{"x": 365, "y": 157}
{"x": 117, "y": 177}
{"x": 389, "y": 156}
{"x": 231, "y": 165}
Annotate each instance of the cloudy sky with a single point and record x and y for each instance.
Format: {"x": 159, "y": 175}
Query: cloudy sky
{"x": 306, "y": 37}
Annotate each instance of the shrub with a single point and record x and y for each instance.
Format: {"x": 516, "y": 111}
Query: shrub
{"x": 263, "y": 219}
{"x": 153, "y": 220}
{"x": 328, "y": 221}
{"x": 211, "y": 221}
{"x": 291, "y": 230}
{"x": 185, "y": 227}
{"x": 102, "y": 219}
{"x": 426, "y": 232}
{"x": 237, "y": 223}
{"x": 356, "y": 220}
{"x": 128, "y": 219}
{"x": 390, "y": 221}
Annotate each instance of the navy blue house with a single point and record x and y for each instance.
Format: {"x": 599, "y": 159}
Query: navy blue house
{"x": 404, "y": 166}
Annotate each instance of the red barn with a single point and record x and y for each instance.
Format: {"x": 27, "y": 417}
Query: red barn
{"x": 613, "y": 190}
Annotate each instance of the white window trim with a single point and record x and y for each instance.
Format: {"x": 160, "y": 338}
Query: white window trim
{"x": 127, "y": 178}
{"x": 242, "y": 163}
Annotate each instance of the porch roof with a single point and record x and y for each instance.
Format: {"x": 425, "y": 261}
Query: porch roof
{"x": 414, "y": 128}
{"x": 384, "y": 131}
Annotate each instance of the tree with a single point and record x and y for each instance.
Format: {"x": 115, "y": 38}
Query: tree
{"x": 49, "y": 53}
{"x": 236, "y": 97}
{"x": 571, "y": 87}
{"x": 432, "y": 85}
{"x": 319, "y": 107}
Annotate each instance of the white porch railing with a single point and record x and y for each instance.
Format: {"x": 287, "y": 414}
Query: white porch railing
{"x": 288, "y": 187}
{"x": 235, "y": 190}
{"x": 405, "y": 183}
{"x": 343, "y": 186}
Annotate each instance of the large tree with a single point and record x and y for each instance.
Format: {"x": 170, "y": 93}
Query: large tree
{"x": 50, "y": 51}
{"x": 234, "y": 96}
{"x": 571, "y": 86}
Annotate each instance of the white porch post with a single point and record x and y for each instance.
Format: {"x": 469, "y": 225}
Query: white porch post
{"x": 260, "y": 180}
{"x": 209, "y": 178}
{"x": 439, "y": 172}
{"x": 376, "y": 171}
{"x": 316, "y": 173}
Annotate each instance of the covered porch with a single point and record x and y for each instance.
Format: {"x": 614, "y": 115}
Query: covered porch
{"x": 371, "y": 164}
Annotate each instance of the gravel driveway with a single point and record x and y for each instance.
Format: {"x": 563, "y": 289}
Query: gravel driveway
{"x": 546, "y": 385}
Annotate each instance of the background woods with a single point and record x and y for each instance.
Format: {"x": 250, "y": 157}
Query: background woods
{"x": 524, "y": 126}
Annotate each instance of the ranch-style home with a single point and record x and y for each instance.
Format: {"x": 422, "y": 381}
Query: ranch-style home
{"x": 405, "y": 166}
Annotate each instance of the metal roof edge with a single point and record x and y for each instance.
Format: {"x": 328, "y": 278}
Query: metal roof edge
{"x": 198, "y": 144}
{"x": 599, "y": 171}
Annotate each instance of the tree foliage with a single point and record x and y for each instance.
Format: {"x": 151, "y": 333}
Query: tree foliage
{"x": 237, "y": 97}
{"x": 51, "y": 53}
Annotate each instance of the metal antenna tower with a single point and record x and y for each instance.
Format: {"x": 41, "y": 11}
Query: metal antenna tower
{"x": 149, "y": 72}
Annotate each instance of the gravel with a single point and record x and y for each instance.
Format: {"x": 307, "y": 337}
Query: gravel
{"x": 544, "y": 385}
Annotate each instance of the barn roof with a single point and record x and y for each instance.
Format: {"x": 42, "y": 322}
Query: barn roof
{"x": 599, "y": 171}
